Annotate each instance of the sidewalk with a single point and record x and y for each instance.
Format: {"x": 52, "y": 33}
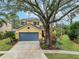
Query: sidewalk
{"x": 61, "y": 52}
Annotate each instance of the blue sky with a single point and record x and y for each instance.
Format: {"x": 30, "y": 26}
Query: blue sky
{"x": 76, "y": 18}
{"x": 23, "y": 15}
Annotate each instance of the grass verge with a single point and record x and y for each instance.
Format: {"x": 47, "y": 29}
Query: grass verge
{"x": 4, "y": 46}
{"x": 69, "y": 45}
{"x": 61, "y": 56}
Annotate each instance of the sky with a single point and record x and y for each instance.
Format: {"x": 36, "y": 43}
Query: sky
{"x": 23, "y": 15}
{"x": 76, "y": 18}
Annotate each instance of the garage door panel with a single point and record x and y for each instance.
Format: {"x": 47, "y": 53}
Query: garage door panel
{"x": 26, "y": 36}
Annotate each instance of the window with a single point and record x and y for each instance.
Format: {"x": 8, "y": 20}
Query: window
{"x": 24, "y": 23}
{"x": 36, "y": 23}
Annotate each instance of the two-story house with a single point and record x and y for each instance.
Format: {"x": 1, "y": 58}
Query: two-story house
{"x": 32, "y": 22}
{"x": 31, "y": 30}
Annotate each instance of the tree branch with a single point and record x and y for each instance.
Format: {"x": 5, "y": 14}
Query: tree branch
{"x": 64, "y": 3}
{"x": 35, "y": 6}
{"x": 41, "y": 19}
{"x": 64, "y": 15}
{"x": 53, "y": 13}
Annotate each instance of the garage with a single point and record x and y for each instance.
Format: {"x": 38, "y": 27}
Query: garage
{"x": 28, "y": 36}
{"x": 29, "y": 33}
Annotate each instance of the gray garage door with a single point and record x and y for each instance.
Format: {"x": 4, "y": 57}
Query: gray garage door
{"x": 28, "y": 36}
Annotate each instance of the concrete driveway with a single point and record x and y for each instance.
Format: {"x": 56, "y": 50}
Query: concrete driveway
{"x": 25, "y": 50}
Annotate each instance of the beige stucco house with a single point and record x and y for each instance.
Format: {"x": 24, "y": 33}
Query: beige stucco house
{"x": 31, "y": 31}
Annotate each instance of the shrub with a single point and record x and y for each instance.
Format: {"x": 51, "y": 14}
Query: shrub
{"x": 73, "y": 33}
{"x": 43, "y": 46}
{"x": 10, "y": 34}
{"x": 1, "y": 35}
{"x": 59, "y": 43}
{"x": 59, "y": 31}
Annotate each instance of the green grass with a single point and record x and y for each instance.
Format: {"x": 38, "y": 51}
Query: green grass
{"x": 61, "y": 56}
{"x": 4, "y": 46}
{"x": 69, "y": 45}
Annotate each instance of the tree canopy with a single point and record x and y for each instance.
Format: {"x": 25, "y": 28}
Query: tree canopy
{"x": 44, "y": 9}
{"x": 48, "y": 11}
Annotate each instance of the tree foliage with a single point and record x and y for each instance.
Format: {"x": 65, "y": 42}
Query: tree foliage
{"x": 74, "y": 31}
{"x": 44, "y": 9}
{"x": 48, "y": 11}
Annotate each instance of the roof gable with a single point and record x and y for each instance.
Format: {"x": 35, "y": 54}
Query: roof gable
{"x": 30, "y": 26}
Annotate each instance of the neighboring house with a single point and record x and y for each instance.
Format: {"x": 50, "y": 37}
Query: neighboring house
{"x": 31, "y": 31}
{"x": 6, "y": 27}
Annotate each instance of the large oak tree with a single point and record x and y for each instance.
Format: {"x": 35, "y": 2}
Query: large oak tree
{"x": 48, "y": 11}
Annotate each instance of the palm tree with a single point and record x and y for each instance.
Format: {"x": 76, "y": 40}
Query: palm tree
{"x": 1, "y": 24}
{"x": 2, "y": 21}
{"x": 10, "y": 18}
{"x": 48, "y": 11}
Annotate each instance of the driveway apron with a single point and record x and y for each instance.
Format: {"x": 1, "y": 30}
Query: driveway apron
{"x": 25, "y": 50}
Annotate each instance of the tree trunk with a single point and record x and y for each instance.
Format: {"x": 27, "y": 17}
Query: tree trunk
{"x": 48, "y": 41}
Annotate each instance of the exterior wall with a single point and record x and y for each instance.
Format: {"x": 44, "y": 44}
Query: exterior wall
{"x": 29, "y": 22}
{"x": 31, "y": 29}
{"x": 6, "y": 27}
{"x": 32, "y": 22}
{"x": 40, "y": 24}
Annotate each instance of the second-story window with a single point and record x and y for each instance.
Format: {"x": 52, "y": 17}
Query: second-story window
{"x": 24, "y": 23}
{"x": 36, "y": 23}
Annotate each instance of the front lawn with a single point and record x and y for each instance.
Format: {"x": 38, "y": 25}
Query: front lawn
{"x": 4, "y": 46}
{"x": 67, "y": 44}
{"x": 61, "y": 56}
